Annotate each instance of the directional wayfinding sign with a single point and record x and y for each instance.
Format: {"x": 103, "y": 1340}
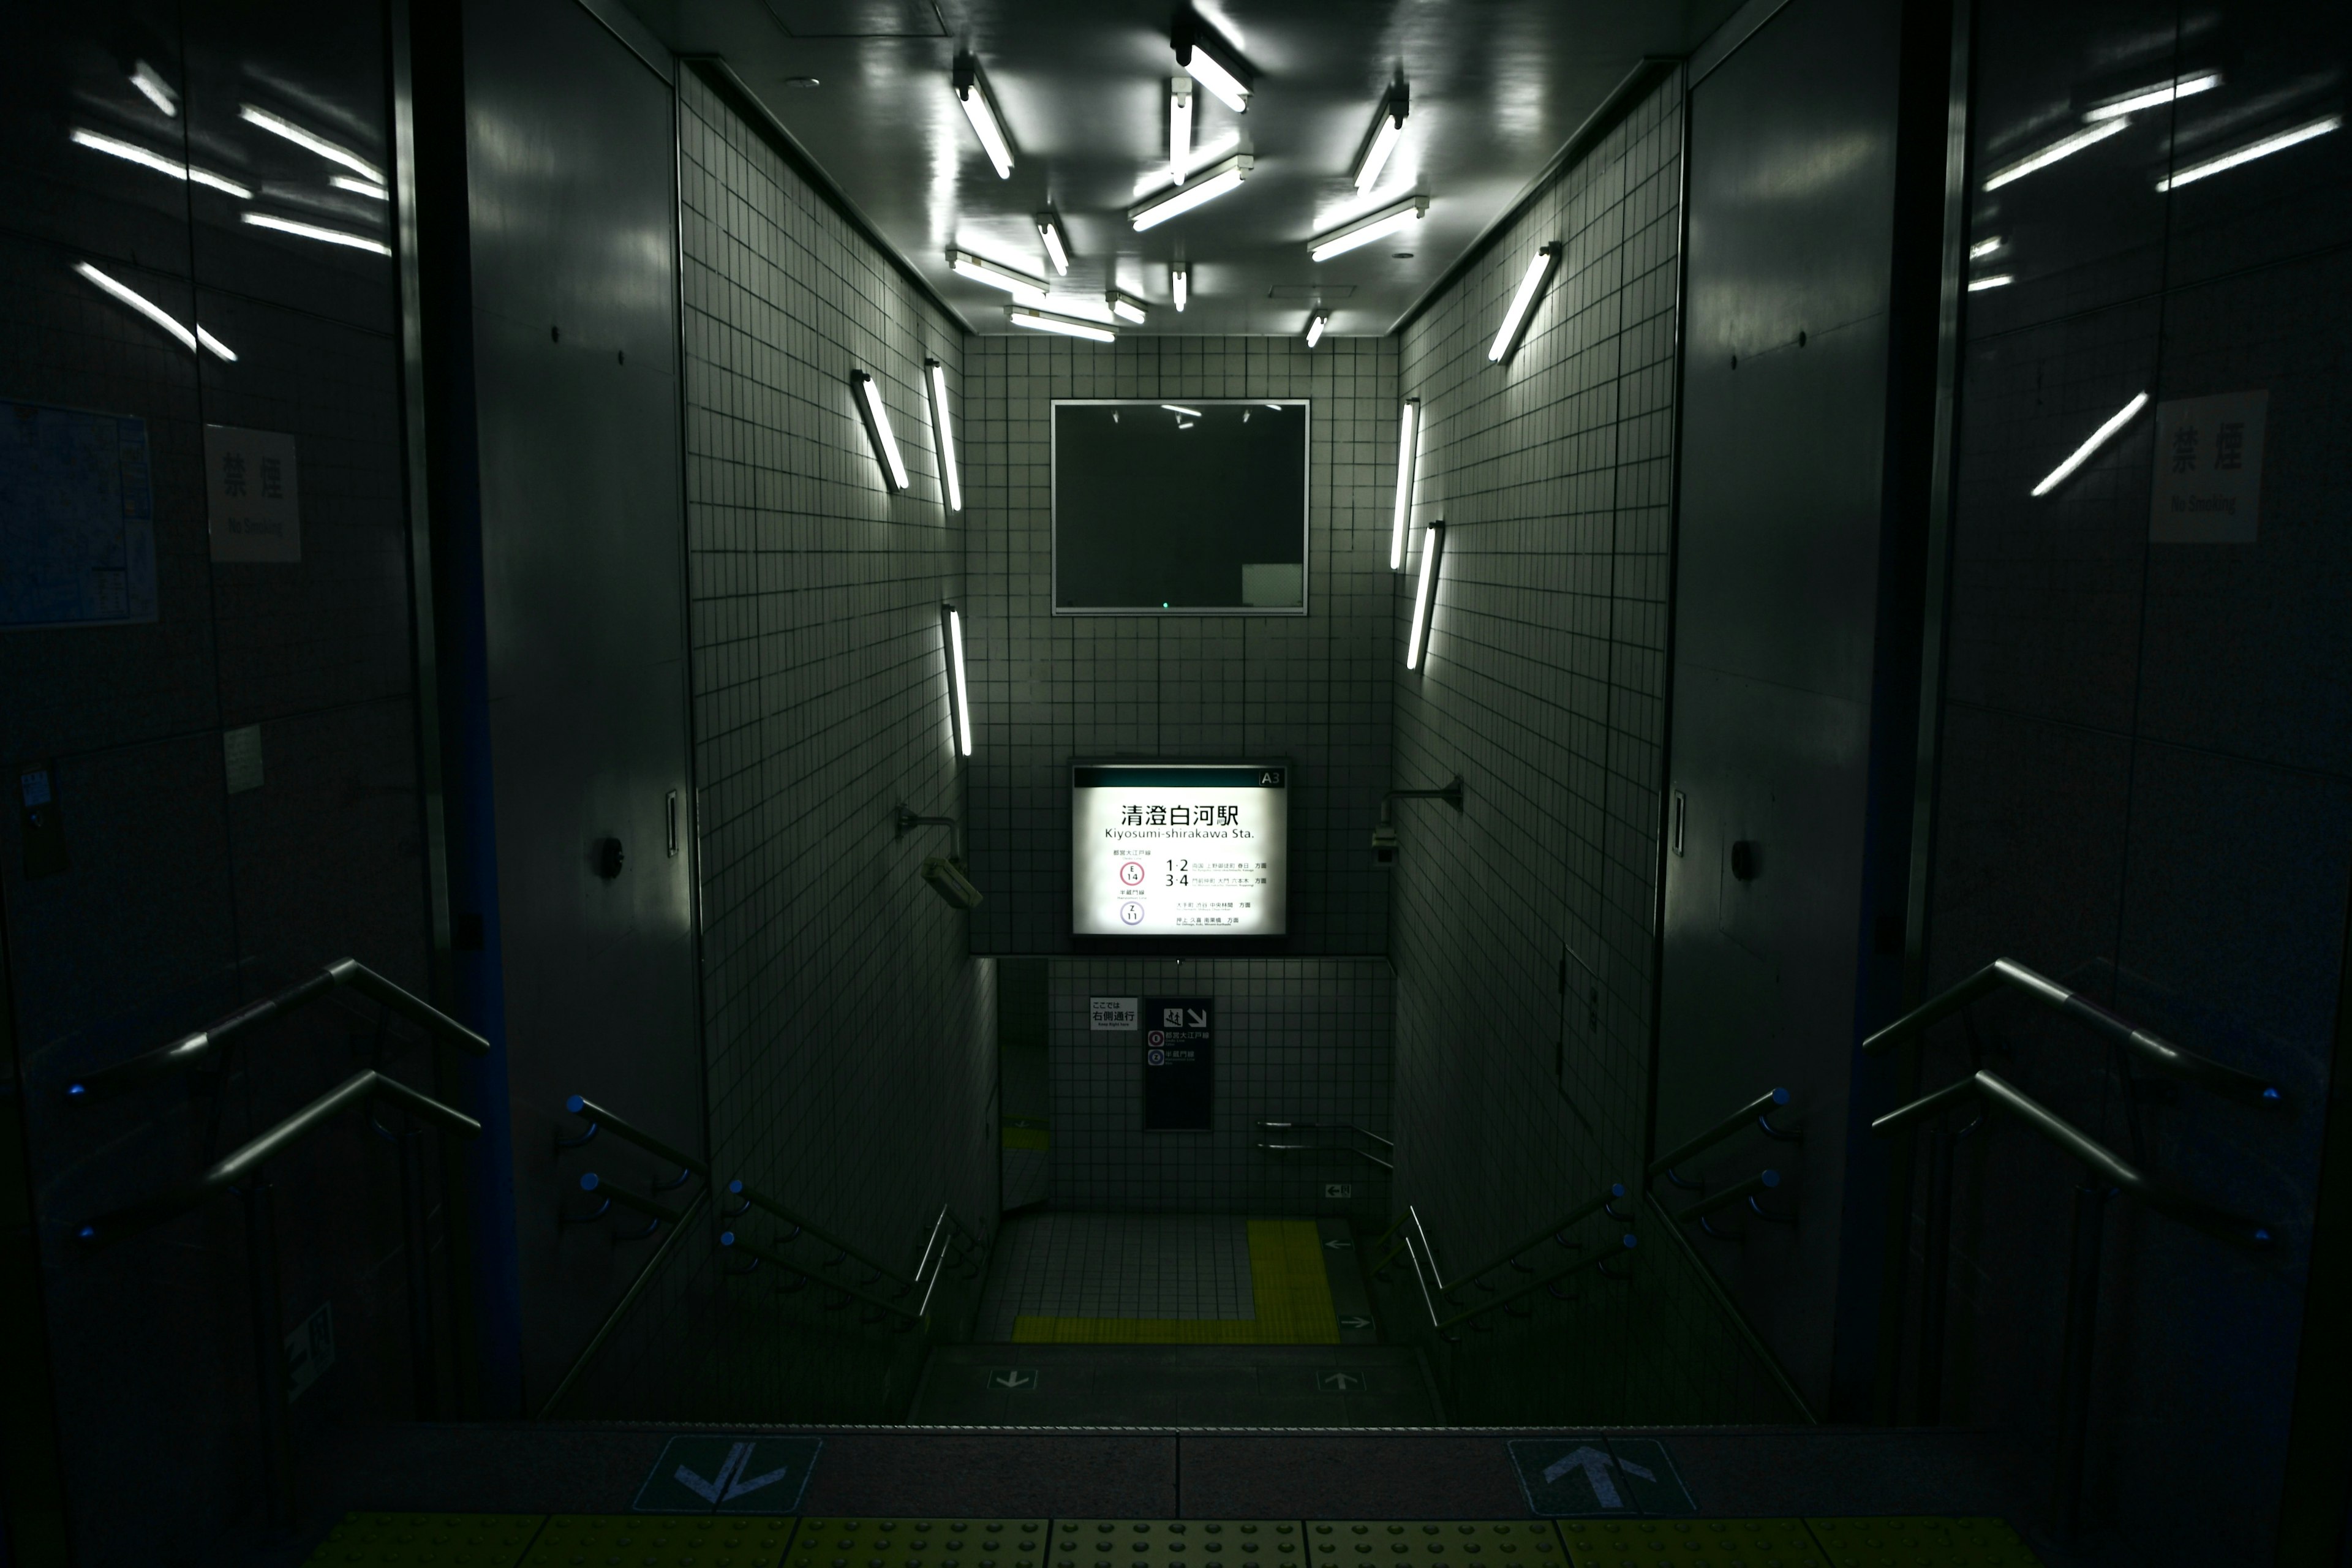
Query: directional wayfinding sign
{"x": 730, "y": 1475}
{"x": 1013, "y": 1377}
{"x": 1590, "y": 1477}
{"x": 1179, "y": 1068}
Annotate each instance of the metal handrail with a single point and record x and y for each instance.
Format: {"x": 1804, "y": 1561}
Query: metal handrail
{"x": 753, "y": 1198}
{"x": 1760, "y": 1110}
{"x": 1998, "y": 1094}
{"x": 1365, "y": 1154}
{"x": 1440, "y": 1325}
{"x": 1553, "y": 1233}
{"x": 189, "y": 1049}
{"x": 1751, "y": 1189}
{"x": 2157, "y": 1052}
{"x": 245, "y": 1161}
{"x": 597, "y": 1117}
{"x": 728, "y": 1239}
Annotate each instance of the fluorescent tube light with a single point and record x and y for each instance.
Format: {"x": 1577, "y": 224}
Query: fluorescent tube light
{"x": 2261, "y": 149}
{"x": 312, "y": 231}
{"x": 877, "y": 430}
{"x": 1179, "y": 409}
{"x": 1385, "y": 132}
{"x": 1154, "y": 180}
{"x": 1057, "y": 248}
{"x": 959, "y": 691}
{"x": 2099, "y": 438}
{"x": 1068, "y": 326}
{"x": 1515, "y": 319}
{"x": 310, "y": 140}
{"x": 1179, "y": 283}
{"x": 1204, "y": 55}
{"x": 1416, "y": 641}
{"x": 2154, "y": 97}
{"x": 1997, "y": 280}
{"x": 2065, "y": 148}
{"x": 1985, "y": 247}
{"x": 935, "y": 382}
{"x": 1225, "y": 176}
{"x": 186, "y": 338}
{"x": 131, "y": 152}
{"x": 1125, "y": 306}
{"x": 980, "y": 270}
{"x": 1180, "y": 128}
{"x": 981, "y": 109}
{"x": 1408, "y": 455}
{"x": 159, "y": 92}
{"x": 359, "y": 187}
{"x": 1365, "y": 230}
{"x": 218, "y": 349}
{"x": 1316, "y": 325}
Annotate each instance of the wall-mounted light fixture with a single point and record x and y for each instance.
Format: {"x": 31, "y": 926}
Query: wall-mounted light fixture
{"x": 2099, "y": 438}
{"x": 878, "y": 431}
{"x": 1408, "y": 454}
{"x": 1180, "y": 128}
{"x": 1317, "y": 325}
{"x": 1365, "y": 230}
{"x": 1424, "y": 595}
{"x": 958, "y": 693}
{"x": 154, "y": 88}
{"x": 979, "y": 108}
{"x": 996, "y": 275}
{"x": 1056, "y": 242}
{"x": 1211, "y": 61}
{"x": 1523, "y": 304}
{"x": 1221, "y": 178}
{"x": 1180, "y": 284}
{"x": 1068, "y": 326}
{"x": 1125, "y": 306}
{"x": 935, "y": 382}
{"x": 1374, "y": 156}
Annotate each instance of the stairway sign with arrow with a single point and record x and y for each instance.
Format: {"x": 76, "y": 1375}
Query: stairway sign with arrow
{"x": 728, "y": 1475}
{"x": 1573, "y": 1477}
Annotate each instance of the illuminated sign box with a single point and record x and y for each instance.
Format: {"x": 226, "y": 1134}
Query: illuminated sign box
{"x": 1179, "y": 849}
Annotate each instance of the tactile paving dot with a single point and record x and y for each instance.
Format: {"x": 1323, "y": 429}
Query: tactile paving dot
{"x": 1175, "y": 1543}
{"x": 919, "y": 1543}
{"x": 416, "y": 1540}
{"x": 1716, "y": 1542}
{"x": 1921, "y": 1542}
{"x": 1432, "y": 1543}
{"x": 656, "y": 1541}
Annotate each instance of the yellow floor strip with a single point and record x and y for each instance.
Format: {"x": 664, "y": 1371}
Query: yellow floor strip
{"x": 1293, "y": 1297}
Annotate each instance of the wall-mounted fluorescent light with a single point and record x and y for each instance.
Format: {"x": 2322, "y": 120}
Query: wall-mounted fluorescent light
{"x": 1210, "y": 63}
{"x": 1424, "y": 595}
{"x": 2066, "y": 147}
{"x": 979, "y": 108}
{"x": 2155, "y": 97}
{"x": 980, "y": 270}
{"x": 1180, "y": 284}
{"x": 359, "y": 187}
{"x": 958, "y": 692}
{"x": 313, "y": 231}
{"x": 1317, "y": 325}
{"x": 878, "y": 431}
{"x": 187, "y": 339}
{"x": 1386, "y": 128}
{"x": 131, "y": 152}
{"x": 310, "y": 140}
{"x": 1179, "y": 409}
{"x": 2261, "y": 149}
{"x": 1996, "y": 280}
{"x": 1408, "y": 455}
{"x": 1523, "y": 304}
{"x": 1125, "y": 306}
{"x": 1985, "y": 247}
{"x": 935, "y": 382}
{"x": 1180, "y": 128}
{"x": 1056, "y": 243}
{"x": 1225, "y": 176}
{"x": 2099, "y": 438}
{"x": 151, "y": 84}
{"x": 1365, "y": 230}
{"x": 1068, "y": 326}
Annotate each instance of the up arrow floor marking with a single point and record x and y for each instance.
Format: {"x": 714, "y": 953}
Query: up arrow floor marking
{"x": 1595, "y": 1465}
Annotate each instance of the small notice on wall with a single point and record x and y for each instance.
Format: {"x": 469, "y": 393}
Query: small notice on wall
{"x": 254, "y": 501}
{"x": 2209, "y": 469}
{"x": 1111, "y": 1013}
{"x": 76, "y": 519}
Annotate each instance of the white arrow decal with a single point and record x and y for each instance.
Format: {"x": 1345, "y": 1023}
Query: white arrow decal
{"x": 1355, "y": 1322}
{"x": 710, "y": 1491}
{"x": 1200, "y": 1018}
{"x": 1013, "y": 1379}
{"x": 1339, "y": 1244}
{"x": 756, "y": 1482}
{"x": 1595, "y": 1465}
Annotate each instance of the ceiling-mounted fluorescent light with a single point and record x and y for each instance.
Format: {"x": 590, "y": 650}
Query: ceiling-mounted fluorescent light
{"x": 131, "y": 152}
{"x": 878, "y": 431}
{"x": 310, "y": 140}
{"x": 1125, "y": 306}
{"x": 1424, "y": 595}
{"x": 2099, "y": 438}
{"x": 1179, "y": 409}
{"x": 1225, "y": 176}
{"x": 1180, "y": 128}
{"x": 958, "y": 690}
{"x": 1365, "y": 230}
{"x": 1408, "y": 452}
{"x": 1523, "y": 303}
{"x": 980, "y": 270}
{"x": 157, "y": 91}
{"x": 979, "y": 108}
{"x": 2261, "y": 149}
{"x": 314, "y": 231}
{"x": 935, "y": 382}
{"x": 1057, "y": 244}
{"x": 1995, "y": 281}
{"x": 1985, "y": 247}
{"x": 2066, "y": 147}
{"x": 1180, "y": 284}
{"x": 1374, "y": 157}
{"x": 187, "y": 339}
{"x": 1068, "y": 326}
{"x": 1204, "y": 54}
{"x": 359, "y": 187}
{"x": 2155, "y": 97}
{"x": 1316, "y": 326}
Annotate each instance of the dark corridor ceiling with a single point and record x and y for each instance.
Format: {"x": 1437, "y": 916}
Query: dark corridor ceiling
{"x": 1496, "y": 87}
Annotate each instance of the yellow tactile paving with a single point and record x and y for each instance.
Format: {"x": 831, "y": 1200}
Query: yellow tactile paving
{"x": 1289, "y": 1289}
{"x": 654, "y": 1541}
{"x": 1175, "y": 1543}
{"x": 1433, "y": 1544}
{"x": 839, "y": 1543}
{"x": 1713, "y": 1542}
{"x": 1914, "y": 1541}
{"x": 427, "y": 1540}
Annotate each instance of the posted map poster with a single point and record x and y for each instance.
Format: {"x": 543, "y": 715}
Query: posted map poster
{"x": 76, "y": 519}
{"x": 1180, "y": 848}
{"x": 1179, "y": 1064}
